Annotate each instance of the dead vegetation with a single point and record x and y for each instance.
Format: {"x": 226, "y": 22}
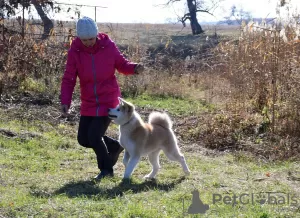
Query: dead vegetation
{"x": 253, "y": 80}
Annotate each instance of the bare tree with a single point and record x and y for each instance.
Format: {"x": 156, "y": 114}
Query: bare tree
{"x": 237, "y": 16}
{"x": 48, "y": 24}
{"x": 194, "y": 7}
{"x": 8, "y": 7}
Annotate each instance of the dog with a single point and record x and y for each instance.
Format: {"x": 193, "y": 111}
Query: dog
{"x": 141, "y": 139}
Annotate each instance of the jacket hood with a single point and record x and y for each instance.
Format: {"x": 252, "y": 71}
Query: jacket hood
{"x": 102, "y": 40}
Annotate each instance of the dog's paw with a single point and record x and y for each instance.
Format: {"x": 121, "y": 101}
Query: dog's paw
{"x": 187, "y": 173}
{"x": 126, "y": 177}
{"x": 126, "y": 181}
{"x": 148, "y": 177}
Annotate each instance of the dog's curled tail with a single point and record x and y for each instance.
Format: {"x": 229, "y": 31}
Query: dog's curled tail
{"x": 161, "y": 119}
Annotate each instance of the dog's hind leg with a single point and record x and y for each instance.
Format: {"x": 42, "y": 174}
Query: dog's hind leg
{"x": 132, "y": 163}
{"x": 126, "y": 158}
{"x": 154, "y": 160}
{"x": 175, "y": 155}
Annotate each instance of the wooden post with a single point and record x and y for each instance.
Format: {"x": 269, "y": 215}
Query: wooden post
{"x": 3, "y": 35}
{"x": 23, "y": 21}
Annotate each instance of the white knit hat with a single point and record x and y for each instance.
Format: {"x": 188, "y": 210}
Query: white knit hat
{"x": 86, "y": 28}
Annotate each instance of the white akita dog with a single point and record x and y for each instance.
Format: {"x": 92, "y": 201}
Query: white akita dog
{"x": 140, "y": 139}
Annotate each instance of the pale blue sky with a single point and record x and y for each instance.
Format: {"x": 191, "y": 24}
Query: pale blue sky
{"x": 149, "y": 11}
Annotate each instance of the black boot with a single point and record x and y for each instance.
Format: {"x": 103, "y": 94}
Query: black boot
{"x": 115, "y": 156}
{"x": 103, "y": 174}
{"x": 104, "y": 164}
{"x": 114, "y": 148}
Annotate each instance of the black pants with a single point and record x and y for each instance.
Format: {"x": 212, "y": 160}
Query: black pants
{"x": 91, "y": 135}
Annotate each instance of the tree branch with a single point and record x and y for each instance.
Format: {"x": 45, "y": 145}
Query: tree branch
{"x": 204, "y": 11}
{"x": 184, "y": 18}
{"x": 172, "y": 1}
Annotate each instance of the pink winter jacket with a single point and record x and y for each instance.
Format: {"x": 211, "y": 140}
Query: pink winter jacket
{"x": 95, "y": 68}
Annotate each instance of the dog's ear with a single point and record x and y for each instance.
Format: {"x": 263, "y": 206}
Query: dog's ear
{"x": 120, "y": 100}
{"x": 130, "y": 108}
{"x": 123, "y": 101}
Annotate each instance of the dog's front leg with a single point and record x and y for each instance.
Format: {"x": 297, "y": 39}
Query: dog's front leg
{"x": 132, "y": 163}
{"x": 126, "y": 158}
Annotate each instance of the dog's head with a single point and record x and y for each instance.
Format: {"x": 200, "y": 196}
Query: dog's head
{"x": 122, "y": 113}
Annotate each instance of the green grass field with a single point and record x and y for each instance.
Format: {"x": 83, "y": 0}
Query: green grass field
{"x": 50, "y": 175}
{"x": 202, "y": 83}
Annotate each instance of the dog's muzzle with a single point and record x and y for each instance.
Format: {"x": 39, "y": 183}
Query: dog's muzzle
{"x": 112, "y": 116}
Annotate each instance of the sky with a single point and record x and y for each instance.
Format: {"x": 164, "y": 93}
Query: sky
{"x": 152, "y": 11}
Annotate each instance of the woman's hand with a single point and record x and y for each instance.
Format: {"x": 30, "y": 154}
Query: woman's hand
{"x": 139, "y": 69}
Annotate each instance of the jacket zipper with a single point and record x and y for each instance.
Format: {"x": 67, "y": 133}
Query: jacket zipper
{"x": 95, "y": 84}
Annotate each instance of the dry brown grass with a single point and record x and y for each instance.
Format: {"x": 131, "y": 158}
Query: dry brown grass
{"x": 263, "y": 72}
{"x": 253, "y": 79}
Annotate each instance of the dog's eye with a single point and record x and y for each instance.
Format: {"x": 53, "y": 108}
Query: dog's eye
{"x": 118, "y": 109}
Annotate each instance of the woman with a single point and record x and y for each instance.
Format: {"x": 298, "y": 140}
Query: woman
{"x": 93, "y": 58}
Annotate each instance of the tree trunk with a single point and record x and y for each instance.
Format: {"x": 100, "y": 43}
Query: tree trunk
{"x": 48, "y": 24}
{"x": 196, "y": 28}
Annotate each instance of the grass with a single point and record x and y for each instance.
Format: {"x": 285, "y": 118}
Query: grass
{"x": 174, "y": 106}
{"x": 51, "y": 176}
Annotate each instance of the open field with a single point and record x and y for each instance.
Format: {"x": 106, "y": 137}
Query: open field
{"x": 45, "y": 173}
{"x": 126, "y": 33}
{"x": 234, "y": 99}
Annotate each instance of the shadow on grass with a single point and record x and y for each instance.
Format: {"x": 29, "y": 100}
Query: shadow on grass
{"x": 91, "y": 189}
